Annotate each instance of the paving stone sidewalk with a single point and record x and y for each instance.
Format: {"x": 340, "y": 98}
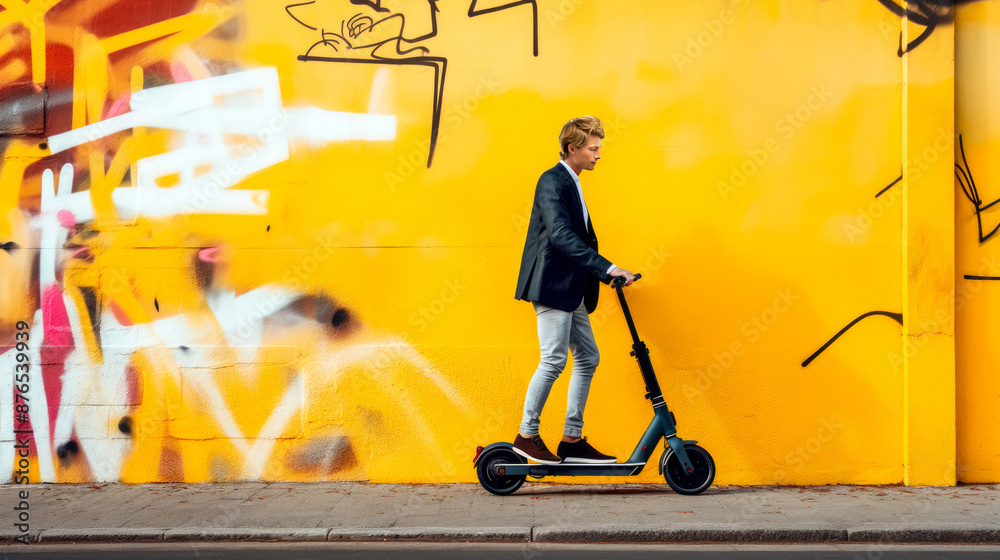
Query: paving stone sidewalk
{"x": 537, "y": 512}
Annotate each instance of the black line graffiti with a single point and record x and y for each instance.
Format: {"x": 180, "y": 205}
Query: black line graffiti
{"x": 898, "y": 179}
{"x": 534, "y": 16}
{"x": 898, "y": 317}
{"x": 928, "y": 13}
{"x": 968, "y": 184}
{"x": 289, "y": 7}
{"x": 361, "y": 32}
{"x": 359, "y": 38}
{"x": 973, "y": 277}
{"x": 9, "y": 247}
{"x": 440, "y": 66}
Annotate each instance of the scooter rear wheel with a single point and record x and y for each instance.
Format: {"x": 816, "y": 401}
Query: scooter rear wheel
{"x": 495, "y": 482}
{"x": 695, "y": 482}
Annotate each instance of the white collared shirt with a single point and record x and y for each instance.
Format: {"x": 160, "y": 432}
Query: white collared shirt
{"x": 579, "y": 190}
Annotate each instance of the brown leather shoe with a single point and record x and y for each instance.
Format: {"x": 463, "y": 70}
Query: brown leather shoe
{"x": 535, "y": 450}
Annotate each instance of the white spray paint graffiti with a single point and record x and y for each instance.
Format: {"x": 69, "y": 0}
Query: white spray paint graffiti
{"x": 208, "y": 113}
{"x": 246, "y": 104}
{"x": 94, "y": 395}
{"x": 7, "y": 416}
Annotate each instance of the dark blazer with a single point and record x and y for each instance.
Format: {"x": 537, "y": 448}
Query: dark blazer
{"x": 560, "y": 265}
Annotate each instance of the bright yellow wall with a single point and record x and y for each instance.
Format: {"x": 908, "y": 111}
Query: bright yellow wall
{"x": 977, "y": 301}
{"x": 746, "y": 142}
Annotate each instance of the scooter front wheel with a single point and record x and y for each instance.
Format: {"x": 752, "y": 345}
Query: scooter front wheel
{"x": 689, "y": 483}
{"x": 492, "y": 477}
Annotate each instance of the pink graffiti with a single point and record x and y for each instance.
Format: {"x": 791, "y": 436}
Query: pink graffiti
{"x": 208, "y": 255}
{"x": 66, "y": 218}
{"x": 179, "y": 72}
{"x": 57, "y": 331}
{"x": 119, "y": 107}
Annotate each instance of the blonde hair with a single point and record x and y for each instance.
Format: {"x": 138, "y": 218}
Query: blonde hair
{"x": 577, "y": 131}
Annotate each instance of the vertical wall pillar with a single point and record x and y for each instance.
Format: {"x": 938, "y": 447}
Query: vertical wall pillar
{"x": 928, "y": 259}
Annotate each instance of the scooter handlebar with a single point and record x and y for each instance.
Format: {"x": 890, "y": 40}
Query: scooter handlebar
{"x": 620, "y": 280}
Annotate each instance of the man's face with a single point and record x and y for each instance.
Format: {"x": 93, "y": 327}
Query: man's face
{"x": 587, "y": 155}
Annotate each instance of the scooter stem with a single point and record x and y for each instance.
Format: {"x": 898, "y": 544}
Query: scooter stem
{"x": 641, "y": 354}
{"x": 663, "y": 417}
{"x": 628, "y": 315}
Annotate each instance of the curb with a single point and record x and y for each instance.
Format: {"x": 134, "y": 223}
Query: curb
{"x": 195, "y": 534}
{"x": 475, "y": 534}
{"x": 689, "y": 533}
{"x": 120, "y": 535}
{"x": 337, "y": 534}
{"x": 701, "y": 532}
{"x": 937, "y": 533}
{"x": 10, "y": 537}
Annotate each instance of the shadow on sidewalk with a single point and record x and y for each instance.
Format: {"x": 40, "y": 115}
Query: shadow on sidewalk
{"x": 548, "y": 488}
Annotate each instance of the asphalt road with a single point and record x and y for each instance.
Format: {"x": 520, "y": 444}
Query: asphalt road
{"x": 454, "y": 551}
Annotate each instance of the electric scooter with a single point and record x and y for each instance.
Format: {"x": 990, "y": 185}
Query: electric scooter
{"x": 688, "y": 468}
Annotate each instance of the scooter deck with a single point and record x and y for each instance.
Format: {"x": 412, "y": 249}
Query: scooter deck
{"x": 571, "y": 469}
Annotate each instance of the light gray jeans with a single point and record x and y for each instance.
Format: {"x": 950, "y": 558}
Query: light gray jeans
{"x": 559, "y": 331}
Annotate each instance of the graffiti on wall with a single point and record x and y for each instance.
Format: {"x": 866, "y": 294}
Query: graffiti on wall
{"x": 898, "y": 317}
{"x": 370, "y": 32}
{"x": 965, "y": 180}
{"x": 928, "y": 14}
{"x": 144, "y": 128}
{"x": 963, "y": 175}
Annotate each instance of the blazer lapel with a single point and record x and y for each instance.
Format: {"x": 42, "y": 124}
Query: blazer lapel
{"x": 574, "y": 199}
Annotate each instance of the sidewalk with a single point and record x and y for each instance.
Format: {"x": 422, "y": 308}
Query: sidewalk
{"x": 537, "y": 512}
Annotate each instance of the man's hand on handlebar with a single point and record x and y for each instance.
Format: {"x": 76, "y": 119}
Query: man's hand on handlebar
{"x": 629, "y": 278}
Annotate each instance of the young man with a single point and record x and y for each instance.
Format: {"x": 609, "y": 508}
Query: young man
{"x": 560, "y": 271}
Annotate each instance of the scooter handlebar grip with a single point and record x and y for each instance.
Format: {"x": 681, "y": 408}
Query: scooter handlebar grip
{"x": 620, "y": 280}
